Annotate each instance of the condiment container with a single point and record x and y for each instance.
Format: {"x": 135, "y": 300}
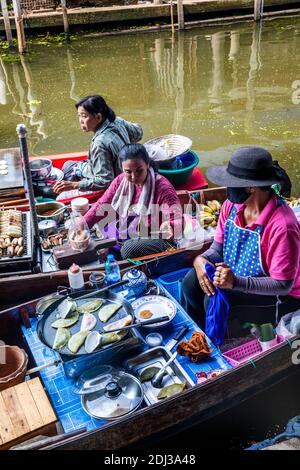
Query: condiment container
{"x": 154, "y": 339}
{"x": 80, "y": 205}
{"x": 75, "y": 276}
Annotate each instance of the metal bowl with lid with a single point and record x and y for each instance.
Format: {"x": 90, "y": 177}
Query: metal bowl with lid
{"x": 109, "y": 394}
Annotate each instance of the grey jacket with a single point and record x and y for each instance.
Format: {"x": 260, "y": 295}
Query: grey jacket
{"x": 103, "y": 159}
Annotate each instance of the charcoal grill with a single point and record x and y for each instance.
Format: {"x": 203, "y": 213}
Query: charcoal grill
{"x": 20, "y": 264}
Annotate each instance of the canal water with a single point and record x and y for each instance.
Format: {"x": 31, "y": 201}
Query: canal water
{"x": 221, "y": 86}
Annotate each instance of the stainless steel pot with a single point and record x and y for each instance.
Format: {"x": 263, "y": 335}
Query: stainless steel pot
{"x": 40, "y": 168}
{"x": 45, "y": 209}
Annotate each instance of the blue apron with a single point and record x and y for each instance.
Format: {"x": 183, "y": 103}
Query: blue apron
{"x": 241, "y": 248}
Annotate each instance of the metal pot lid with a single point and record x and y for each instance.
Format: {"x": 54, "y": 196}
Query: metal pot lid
{"x": 93, "y": 379}
{"x": 48, "y": 223}
{"x": 118, "y": 394}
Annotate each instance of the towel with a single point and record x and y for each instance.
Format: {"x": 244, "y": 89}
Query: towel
{"x": 217, "y": 312}
{"x": 196, "y": 348}
{"x": 122, "y": 200}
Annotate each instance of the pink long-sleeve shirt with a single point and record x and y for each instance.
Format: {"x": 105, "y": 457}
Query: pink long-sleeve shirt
{"x": 164, "y": 194}
{"x": 280, "y": 240}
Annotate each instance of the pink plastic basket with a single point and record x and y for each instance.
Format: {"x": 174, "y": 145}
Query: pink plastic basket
{"x": 245, "y": 352}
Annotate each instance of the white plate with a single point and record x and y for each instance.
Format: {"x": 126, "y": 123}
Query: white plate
{"x": 160, "y": 306}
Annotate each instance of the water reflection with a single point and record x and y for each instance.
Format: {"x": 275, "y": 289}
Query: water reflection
{"x": 223, "y": 87}
{"x": 254, "y": 66}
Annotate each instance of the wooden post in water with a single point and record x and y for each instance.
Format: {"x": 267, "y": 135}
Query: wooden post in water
{"x": 19, "y": 26}
{"x": 180, "y": 14}
{"x": 6, "y": 23}
{"x": 65, "y": 16}
{"x": 258, "y": 9}
{"x": 172, "y": 16}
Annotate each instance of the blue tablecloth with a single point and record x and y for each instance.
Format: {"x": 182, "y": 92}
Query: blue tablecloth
{"x": 60, "y": 388}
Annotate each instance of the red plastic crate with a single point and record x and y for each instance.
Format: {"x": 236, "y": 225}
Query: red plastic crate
{"x": 245, "y": 352}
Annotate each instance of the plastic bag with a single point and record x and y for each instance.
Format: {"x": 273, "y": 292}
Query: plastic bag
{"x": 289, "y": 325}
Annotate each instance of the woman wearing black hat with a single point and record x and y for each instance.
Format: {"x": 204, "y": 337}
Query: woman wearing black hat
{"x": 256, "y": 249}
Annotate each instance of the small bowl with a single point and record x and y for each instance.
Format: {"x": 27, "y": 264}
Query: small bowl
{"x": 154, "y": 339}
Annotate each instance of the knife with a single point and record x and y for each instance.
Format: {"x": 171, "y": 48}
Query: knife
{"x": 170, "y": 345}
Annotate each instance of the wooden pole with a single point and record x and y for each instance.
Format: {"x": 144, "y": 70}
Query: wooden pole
{"x": 65, "y": 16}
{"x": 258, "y": 9}
{"x": 19, "y": 26}
{"x": 172, "y": 16}
{"x": 6, "y": 23}
{"x": 180, "y": 14}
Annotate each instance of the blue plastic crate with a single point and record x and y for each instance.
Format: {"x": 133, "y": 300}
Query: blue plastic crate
{"x": 172, "y": 282}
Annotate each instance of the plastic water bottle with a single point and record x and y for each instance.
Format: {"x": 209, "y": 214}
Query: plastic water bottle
{"x": 112, "y": 270}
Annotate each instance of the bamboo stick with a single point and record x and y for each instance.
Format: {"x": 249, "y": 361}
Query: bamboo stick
{"x": 6, "y": 23}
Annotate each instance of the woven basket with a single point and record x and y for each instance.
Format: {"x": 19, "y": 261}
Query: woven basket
{"x": 13, "y": 366}
{"x": 172, "y": 144}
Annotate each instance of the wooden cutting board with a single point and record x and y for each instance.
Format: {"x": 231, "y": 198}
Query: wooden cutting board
{"x": 25, "y": 412}
{"x": 14, "y": 178}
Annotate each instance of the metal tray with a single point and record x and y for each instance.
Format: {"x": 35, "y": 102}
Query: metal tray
{"x": 157, "y": 357}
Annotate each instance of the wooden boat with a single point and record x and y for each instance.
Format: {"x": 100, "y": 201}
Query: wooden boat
{"x": 14, "y": 287}
{"x": 194, "y": 406}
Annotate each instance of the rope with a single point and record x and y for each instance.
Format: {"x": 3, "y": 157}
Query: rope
{"x": 253, "y": 363}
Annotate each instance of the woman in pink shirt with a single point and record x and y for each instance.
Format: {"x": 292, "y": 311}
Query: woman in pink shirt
{"x": 140, "y": 207}
{"x": 256, "y": 249}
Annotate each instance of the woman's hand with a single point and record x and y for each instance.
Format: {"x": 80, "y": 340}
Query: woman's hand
{"x": 166, "y": 230}
{"x": 224, "y": 277}
{"x": 204, "y": 281}
{"x": 61, "y": 186}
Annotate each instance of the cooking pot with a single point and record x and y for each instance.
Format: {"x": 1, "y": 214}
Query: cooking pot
{"x": 45, "y": 209}
{"x": 40, "y": 168}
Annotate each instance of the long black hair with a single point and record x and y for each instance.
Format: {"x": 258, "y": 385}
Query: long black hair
{"x": 96, "y": 104}
{"x": 135, "y": 152}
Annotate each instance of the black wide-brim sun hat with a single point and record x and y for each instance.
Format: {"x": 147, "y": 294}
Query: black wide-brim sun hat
{"x": 248, "y": 167}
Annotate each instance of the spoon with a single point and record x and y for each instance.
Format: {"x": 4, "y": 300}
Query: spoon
{"x": 157, "y": 379}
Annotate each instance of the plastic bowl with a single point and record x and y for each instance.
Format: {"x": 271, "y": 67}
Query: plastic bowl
{"x": 181, "y": 175}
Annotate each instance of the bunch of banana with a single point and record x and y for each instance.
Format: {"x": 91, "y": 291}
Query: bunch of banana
{"x": 294, "y": 202}
{"x": 209, "y": 213}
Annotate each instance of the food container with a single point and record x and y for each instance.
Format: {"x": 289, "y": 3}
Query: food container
{"x": 13, "y": 365}
{"x": 47, "y": 227}
{"x": 45, "y": 210}
{"x": 40, "y": 168}
{"x": 78, "y": 234}
{"x": 157, "y": 357}
{"x": 80, "y": 205}
{"x": 109, "y": 394}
